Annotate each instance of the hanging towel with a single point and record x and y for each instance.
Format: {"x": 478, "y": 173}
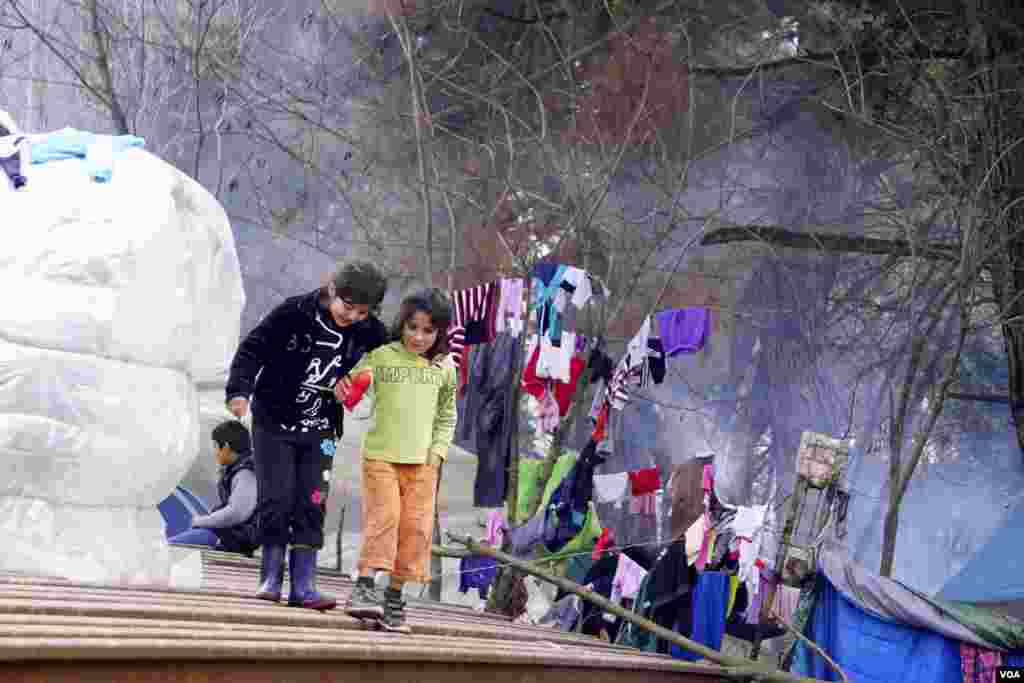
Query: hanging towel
{"x": 645, "y": 481}
{"x": 611, "y": 488}
{"x": 684, "y": 330}
{"x": 710, "y": 599}
{"x": 628, "y": 577}
{"x": 646, "y": 504}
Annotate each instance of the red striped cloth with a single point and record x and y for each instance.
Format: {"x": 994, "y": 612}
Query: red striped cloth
{"x": 474, "y": 317}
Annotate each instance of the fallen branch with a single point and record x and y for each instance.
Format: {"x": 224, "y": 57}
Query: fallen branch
{"x": 732, "y": 667}
{"x": 811, "y": 644}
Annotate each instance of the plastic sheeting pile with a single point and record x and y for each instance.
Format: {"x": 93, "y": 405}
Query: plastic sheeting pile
{"x": 121, "y": 298}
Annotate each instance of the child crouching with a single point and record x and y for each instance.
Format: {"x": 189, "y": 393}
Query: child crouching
{"x": 414, "y": 381}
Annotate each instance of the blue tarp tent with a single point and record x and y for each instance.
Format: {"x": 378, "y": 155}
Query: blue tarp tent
{"x": 995, "y": 575}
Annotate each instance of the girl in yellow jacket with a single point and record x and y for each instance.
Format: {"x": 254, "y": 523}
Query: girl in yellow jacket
{"x": 414, "y": 381}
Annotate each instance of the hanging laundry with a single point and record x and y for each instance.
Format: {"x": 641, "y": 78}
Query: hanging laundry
{"x": 474, "y": 312}
{"x": 758, "y": 597}
{"x": 600, "y": 432}
{"x": 487, "y": 421}
{"x": 548, "y": 414}
{"x": 684, "y": 330}
{"x": 15, "y": 157}
{"x": 509, "y": 316}
{"x": 734, "y": 584}
{"x": 538, "y": 387}
{"x": 786, "y": 600}
{"x": 600, "y": 363}
{"x": 605, "y": 543}
{"x": 655, "y": 368}
{"x": 747, "y": 526}
{"x": 583, "y": 486}
{"x": 611, "y": 488}
{"x": 979, "y": 665}
{"x": 710, "y": 599}
{"x": 547, "y": 280}
{"x": 646, "y": 504}
{"x": 696, "y": 536}
{"x": 644, "y": 481}
{"x": 555, "y": 361}
{"x": 630, "y": 367}
{"x": 628, "y": 577}
{"x": 496, "y": 526}
{"x": 100, "y": 152}
{"x": 708, "y": 486}
{"x": 476, "y": 571}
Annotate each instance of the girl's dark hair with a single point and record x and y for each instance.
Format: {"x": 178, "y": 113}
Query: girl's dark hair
{"x": 234, "y": 434}
{"x": 435, "y": 304}
{"x": 361, "y": 283}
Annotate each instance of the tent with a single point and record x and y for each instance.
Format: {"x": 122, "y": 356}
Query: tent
{"x": 994, "y": 576}
{"x": 878, "y": 630}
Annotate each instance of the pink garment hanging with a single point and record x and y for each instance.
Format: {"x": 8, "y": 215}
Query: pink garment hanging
{"x": 496, "y": 528}
{"x": 978, "y": 664}
{"x": 786, "y": 600}
{"x": 644, "y": 505}
{"x": 628, "y": 577}
{"x": 705, "y": 546}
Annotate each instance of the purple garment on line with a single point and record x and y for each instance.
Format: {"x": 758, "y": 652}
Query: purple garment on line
{"x": 477, "y": 571}
{"x": 684, "y": 330}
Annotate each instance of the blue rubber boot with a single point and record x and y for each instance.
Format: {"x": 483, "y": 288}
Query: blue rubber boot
{"x": 271, "y": 573}
{"x": 302, "y": 573}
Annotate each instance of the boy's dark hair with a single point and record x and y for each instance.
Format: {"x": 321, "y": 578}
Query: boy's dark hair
{"x": 234, "y": 434}
{"x": 361, "y": 283}
{"x": 435, "y": 304}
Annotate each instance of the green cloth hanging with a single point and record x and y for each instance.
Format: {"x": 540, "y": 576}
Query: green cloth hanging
{"x": 529, "y": 480}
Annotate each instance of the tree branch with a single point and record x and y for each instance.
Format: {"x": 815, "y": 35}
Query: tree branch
{"x": 781, "y": 237}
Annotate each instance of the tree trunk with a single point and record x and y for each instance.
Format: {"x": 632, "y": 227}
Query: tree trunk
{"x": 890, "y": 530}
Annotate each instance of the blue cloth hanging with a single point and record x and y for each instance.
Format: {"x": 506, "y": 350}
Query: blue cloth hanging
{"x": 710, "y": 600}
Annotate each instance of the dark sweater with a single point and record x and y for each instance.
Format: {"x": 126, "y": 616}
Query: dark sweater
{"x": 295, "y": 344}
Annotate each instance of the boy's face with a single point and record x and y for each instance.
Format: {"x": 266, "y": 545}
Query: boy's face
{"x": 225, "y": 456}
{"x": 345, "y": 312}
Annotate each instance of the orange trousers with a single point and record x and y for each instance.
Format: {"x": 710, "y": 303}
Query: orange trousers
{"x": 398, "y": 519}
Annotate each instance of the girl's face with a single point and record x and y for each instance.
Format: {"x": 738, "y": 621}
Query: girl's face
{"x": 419, "y": 333}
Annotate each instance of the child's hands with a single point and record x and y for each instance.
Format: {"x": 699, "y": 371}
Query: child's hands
{"x": 342, "y": 388}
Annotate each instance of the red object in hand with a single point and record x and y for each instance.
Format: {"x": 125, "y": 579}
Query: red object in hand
{"x": 360, "y": 383}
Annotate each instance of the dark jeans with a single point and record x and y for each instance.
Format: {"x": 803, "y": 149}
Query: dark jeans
{"x": 292, "y": 488}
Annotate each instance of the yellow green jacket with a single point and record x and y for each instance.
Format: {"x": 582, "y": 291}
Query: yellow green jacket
{"x": 414, "y": 408}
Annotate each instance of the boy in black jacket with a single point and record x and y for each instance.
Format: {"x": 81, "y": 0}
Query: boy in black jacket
{"x": 289, "y": 365}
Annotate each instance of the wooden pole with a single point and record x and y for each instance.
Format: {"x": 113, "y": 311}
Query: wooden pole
{"x": 734, "y": 666}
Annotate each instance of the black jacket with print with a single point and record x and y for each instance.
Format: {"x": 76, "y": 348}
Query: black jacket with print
{"x": 296, "y": 344}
